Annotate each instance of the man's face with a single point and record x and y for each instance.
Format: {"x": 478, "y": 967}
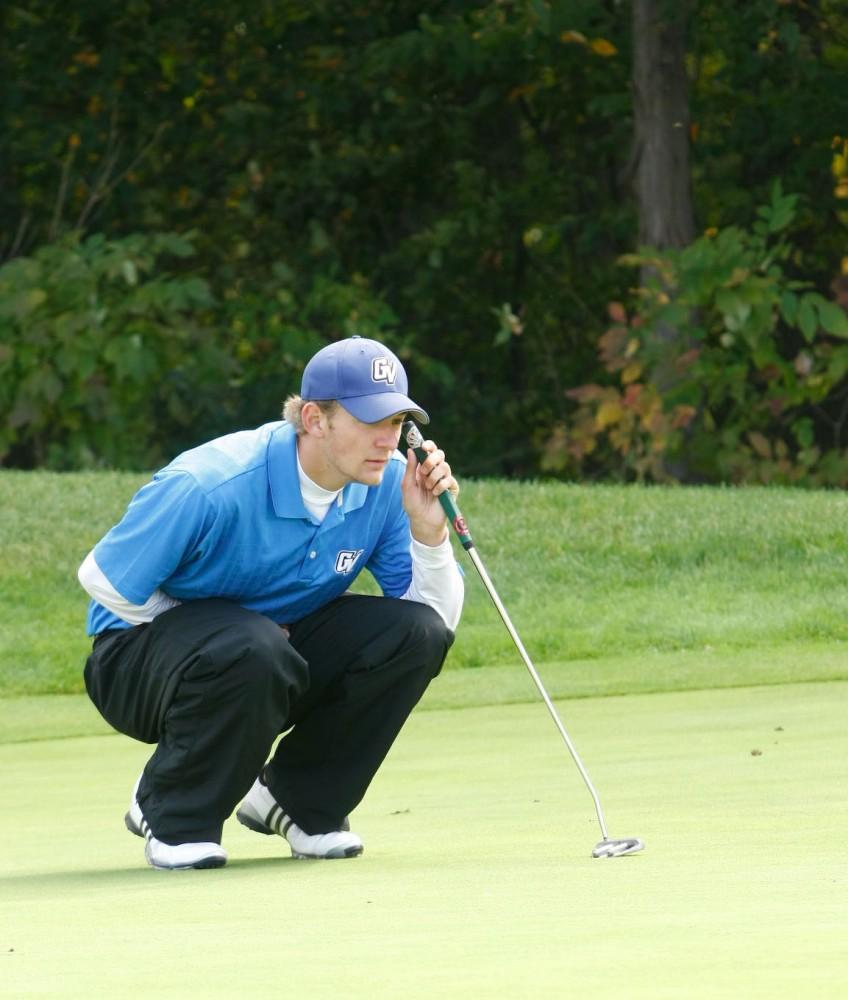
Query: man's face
{"x": 356, "y": 452}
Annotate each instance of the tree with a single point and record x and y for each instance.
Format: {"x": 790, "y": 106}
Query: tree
{"x": 446, "y": 176}
{"x": 730, "y": 363}
{"x": 661, "y": 123}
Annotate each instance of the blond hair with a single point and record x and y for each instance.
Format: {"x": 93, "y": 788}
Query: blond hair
{"x": 293, "y": 411}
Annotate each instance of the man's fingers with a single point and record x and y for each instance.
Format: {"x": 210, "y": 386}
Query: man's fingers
{"x": 434, "y": 473}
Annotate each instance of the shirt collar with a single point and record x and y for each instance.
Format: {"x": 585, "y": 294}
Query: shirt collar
{"x": 284, "y": 483}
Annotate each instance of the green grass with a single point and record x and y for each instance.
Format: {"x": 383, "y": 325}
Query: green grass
{"x": 698, "y": 636}
{"x": 34, "y": 717}
{"x": 588, "y": 573}
{"x": 477, "y": 880}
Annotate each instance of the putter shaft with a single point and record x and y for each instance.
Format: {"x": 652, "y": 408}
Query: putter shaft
{"x": 519, "y": 645}
{"x": 607, "y": 847}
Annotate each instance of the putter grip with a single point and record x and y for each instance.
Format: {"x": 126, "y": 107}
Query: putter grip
{"x": 415, "y": 440}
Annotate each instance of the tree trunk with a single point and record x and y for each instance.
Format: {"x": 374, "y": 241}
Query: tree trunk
{"x": 661, "y": 109}
{"x": 663, "y": 184}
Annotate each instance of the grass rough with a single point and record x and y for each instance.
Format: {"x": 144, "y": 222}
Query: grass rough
{"x": 587, "y": 573}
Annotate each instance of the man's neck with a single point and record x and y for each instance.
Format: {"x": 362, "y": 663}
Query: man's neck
{"x": 315, "y": 467}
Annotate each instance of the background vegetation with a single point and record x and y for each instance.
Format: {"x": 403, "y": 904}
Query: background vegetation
{"x": 194, "y": 199}
{"x": 613, "y": 589}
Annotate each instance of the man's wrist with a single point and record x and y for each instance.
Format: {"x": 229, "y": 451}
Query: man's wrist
{"x": 433, "y": 537}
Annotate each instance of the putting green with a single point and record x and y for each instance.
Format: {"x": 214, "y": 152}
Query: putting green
{"x": 477, "y": 879}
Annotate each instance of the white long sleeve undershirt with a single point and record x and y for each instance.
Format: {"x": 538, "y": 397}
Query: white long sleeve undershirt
{"x": 96, "y": 584}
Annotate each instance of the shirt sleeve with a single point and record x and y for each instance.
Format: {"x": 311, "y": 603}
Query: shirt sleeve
{"x": 97, "y": 586}
{"x": 391, "y": 561}
{"x": 437, "y": 580}
{"x": 411, "y": 571}
{"x": 164, "y": 526}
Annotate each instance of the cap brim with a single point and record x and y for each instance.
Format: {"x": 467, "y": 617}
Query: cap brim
{"x": 374, "y": 408}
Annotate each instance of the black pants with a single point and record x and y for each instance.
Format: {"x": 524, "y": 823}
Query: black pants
{"x": 214, "y": 685}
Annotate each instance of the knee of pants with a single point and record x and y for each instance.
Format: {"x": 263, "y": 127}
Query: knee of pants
{"x": 426, "y": 629}
{"x": 265, "y": 661}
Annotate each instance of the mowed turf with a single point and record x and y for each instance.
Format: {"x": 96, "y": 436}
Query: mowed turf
{"x": 477, "y": 879}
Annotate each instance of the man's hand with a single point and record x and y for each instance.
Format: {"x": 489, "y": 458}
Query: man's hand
{"x": 421, "y": 487}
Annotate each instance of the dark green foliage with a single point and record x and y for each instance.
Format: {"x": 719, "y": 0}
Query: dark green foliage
{"x": 452, "y": 177}
{"x": 768, "y": 98}
{"x": 104, "y": 358}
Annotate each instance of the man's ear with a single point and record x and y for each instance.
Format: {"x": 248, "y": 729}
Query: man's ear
{"x": 312, "y": 418}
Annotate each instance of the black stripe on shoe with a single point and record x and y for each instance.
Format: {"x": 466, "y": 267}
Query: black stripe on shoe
{"x": 270, "y": 818}
{"x": 141, "y": 829}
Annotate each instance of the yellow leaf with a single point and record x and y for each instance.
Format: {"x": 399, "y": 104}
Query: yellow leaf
{"x": 682, "y": 416}
{"x": 760, "y": 444}
{"x": 525, "y": 90}
{"x": 86, "y": 58}
{"x": 573, "y": 36}
{"x": 601, "y": 47}
{"x": 609, "y": 412}
{"x": 631, "y": 372}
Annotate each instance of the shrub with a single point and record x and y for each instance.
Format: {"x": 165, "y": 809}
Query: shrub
{"x": 727, "y": 370}
{"x": 106, "y": 352}
{"x": 113, "y": 353}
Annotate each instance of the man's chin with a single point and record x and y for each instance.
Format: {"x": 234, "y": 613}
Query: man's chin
{"x": 372, "y": 477}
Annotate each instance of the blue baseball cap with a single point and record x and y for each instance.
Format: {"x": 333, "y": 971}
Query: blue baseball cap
{"x": 364, "y": 376}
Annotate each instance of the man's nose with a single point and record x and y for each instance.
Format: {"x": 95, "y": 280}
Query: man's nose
{"x": 388, "y": 437}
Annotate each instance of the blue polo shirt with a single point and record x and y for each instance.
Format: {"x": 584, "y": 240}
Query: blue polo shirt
{"x": 227, "y": 520}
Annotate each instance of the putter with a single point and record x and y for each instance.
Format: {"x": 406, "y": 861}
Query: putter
{"x": 609, "y": 847}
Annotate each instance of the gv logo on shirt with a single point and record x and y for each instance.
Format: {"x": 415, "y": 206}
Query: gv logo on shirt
{"x": 383, "y": 370}
{"x": 346, "y": 560}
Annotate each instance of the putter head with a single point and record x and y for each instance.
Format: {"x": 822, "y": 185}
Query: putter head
{"x": 611, "y": 848}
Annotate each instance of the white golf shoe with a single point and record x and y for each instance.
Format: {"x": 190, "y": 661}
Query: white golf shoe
{"x": 172, "y": 856}
{"x": 261, "y": 812}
